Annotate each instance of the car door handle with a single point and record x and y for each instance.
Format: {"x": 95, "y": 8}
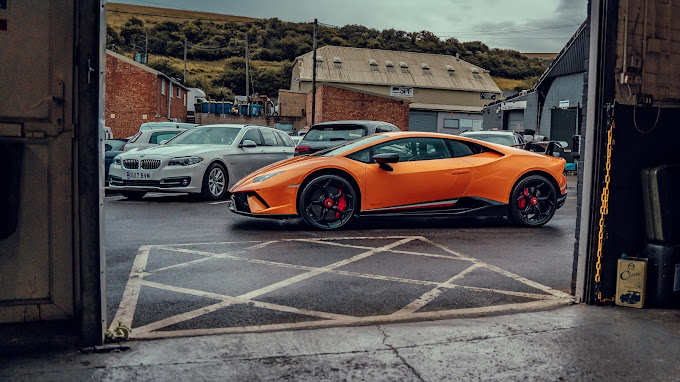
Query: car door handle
{"x": 460, "y": 171}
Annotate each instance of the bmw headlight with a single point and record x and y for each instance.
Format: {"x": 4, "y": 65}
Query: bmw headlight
{"x": 264, "y": 177}
{"x": 184, "y": 161}
{"x": 116, "y": 160}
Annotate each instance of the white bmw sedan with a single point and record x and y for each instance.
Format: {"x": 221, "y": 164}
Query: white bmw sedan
{"x": 204, "y": 160}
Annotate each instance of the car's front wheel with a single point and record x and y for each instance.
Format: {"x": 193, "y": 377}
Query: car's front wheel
{"x": 214, "y": 182}
{"x": 133, "y": 195}
{"x": 327, "y": 202}
{"x": 533, "y": 201}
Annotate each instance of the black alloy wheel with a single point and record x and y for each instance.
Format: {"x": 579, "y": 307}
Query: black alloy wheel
{"x": 327, "y": 202}
{"x": 133, "y": 195}
{"x": 215, "y": 181}
{"x": 533, "y": 201}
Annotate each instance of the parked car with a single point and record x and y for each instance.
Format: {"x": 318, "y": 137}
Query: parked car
{"x": 151, "y": 137}
{"x": 112, "y": 147}
{"x": 329, "y": 134}
{"x": 287, "y": 128}
{"x": 506, "y": 138}
{"x": 165, "y": 126}
{"x": 204, "y": 160}
{"x": 408, "y": 173}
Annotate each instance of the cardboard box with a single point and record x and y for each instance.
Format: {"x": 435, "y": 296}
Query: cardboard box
{"x": 630, "y": 283}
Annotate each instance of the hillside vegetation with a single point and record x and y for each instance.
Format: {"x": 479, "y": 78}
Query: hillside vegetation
{"x": 215, "y": 57}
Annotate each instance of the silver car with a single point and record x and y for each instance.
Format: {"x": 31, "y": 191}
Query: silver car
{"x": 205, "y": 160}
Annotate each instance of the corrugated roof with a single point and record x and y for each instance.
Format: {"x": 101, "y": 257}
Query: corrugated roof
{"x": 572, "y": 58}
{"x": 355, "y": 68}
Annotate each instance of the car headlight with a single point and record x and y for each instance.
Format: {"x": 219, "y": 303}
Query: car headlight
{"x": 116, "y": 160}
{"x": 264, "y": 177}
{"x": 184, "y": 161}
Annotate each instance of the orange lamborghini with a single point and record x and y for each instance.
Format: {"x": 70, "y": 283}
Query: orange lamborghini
{"x": 406, "y": 173}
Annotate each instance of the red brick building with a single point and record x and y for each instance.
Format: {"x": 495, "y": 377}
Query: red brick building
{"x": 136, "y": 93}
{"x": 336, "y": 103}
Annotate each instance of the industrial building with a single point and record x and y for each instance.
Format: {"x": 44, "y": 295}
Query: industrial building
{"x": 553, "y": 106}
{"x": 445, "y": 93}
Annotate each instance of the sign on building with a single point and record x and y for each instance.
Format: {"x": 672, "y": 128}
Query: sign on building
{"x": 517, "y": 105}
{"x": 486, "y": 95}
{"x": 564, "y": 104}
{"x": 401, "y": 91}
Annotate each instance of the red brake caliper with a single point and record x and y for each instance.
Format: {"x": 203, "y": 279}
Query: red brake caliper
{"x": 342, "y": 204}
{"x": 523, "y": 201}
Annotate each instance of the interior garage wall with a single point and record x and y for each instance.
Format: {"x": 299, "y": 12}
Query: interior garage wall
{"x": 633, "y": 151}
{"x": 564, "y": 88}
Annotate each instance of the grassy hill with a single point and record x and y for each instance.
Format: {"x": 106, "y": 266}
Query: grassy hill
{"x": 217, "y": 47}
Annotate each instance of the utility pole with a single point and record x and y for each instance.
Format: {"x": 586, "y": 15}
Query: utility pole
{"x": 146, "y": 48}
{"x": 247, "y": 72}
{"x": 314, "y": 73}
{"x": 185, "y": 61}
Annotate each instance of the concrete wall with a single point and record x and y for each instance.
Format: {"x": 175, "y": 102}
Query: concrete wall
{"x": 292, "y": 104}
{"x": 133, "y": 96}
{"x": 214, "y": 119}
{"x": 565, "y": 88}
{"x": 441, "y": 116}
{"x": 334, "y": 104}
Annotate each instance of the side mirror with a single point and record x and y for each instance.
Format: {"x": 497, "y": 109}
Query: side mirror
{"x": 384, "y": 160}
{"x": 248, "y": 143}
{"x": 164, "y": 141}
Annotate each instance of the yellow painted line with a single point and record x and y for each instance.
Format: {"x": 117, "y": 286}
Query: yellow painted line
{"x": 384, "y": 319}
{"x": 128, "y": 304}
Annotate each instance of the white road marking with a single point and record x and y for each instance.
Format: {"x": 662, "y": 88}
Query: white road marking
{"x": 409, "y": 312}
{"x": 128, "y": 304}
{"x": 222, "y": 202}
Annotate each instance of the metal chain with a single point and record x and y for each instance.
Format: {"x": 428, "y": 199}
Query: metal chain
{"x": 604, "y": 211}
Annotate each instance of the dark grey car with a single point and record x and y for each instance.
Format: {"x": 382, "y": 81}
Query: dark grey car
{"x": 329, "y": 134}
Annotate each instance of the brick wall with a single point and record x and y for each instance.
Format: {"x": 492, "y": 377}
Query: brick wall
{"x": 213, "y": 119}
{"x": 292, "y": 104}
{"x": 335, "y": 104}
{"x": 133, "y": 96}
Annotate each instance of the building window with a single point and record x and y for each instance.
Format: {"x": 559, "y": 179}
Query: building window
{"x": 477, "y": 125}
{"x": 185, "y": 100}
{"x": 465, "y": 123}
{"x": 163, "y": 87}
{"x": 451, "y": 123}
{"x": 178, "y": 95}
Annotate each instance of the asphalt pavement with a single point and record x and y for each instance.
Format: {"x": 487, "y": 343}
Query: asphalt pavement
{"x": 178, "y": 266}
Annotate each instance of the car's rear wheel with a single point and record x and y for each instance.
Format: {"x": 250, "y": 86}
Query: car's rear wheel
{"x": 533, "y": 201}
{"x": 214, "y": 182}
{"x": 133, "y": 195}
{"x": 327, "y": 202}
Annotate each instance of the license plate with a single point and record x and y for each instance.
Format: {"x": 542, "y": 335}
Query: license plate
{"x": 138, "y": 175}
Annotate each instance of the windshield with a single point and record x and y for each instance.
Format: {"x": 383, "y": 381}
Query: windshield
{"x": 207, "y": 135}
{"x": 506, "y": 140}
{"x": 334, "y": 133}
{"x": 338, "y": 150}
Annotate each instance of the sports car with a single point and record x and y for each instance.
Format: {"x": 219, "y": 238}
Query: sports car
{"x": 406, "y": 173}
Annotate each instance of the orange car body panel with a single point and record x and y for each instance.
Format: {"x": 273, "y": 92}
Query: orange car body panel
{"x": 490, "y": 175}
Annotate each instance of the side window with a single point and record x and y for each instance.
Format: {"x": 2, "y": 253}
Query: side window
{"x": 415, "y": 149}
{"x": 269, "y": 137}
{"x": 161, "y": 136}
{"x": 253, "y": 135}
{"x": 363, "y": 156}
{"x": 284, "y": 140}
{"x": 463, "y": 149}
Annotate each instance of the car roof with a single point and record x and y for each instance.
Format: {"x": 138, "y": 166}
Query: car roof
{"x": 352, "y": 122}
{"x": 489, "y": 132}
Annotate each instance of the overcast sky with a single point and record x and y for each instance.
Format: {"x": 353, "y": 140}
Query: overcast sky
{"x": 524, "y": 25}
